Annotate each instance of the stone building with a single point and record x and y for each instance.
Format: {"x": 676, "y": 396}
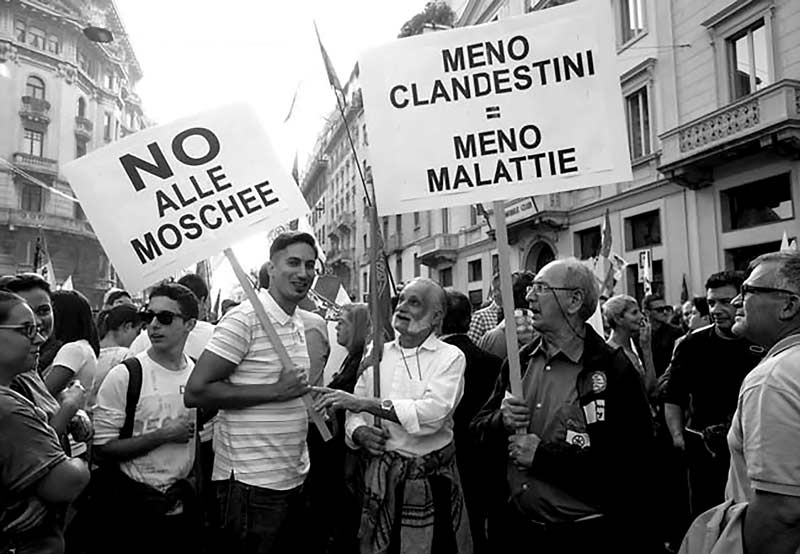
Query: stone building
{"x": 61, "y": 96}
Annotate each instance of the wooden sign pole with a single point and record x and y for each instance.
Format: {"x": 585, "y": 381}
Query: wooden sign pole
{"x": 283, "y": 355}
{"x": 504, "y": 267}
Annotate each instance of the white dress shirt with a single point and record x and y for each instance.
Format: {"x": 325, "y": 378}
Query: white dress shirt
{"x": 425, "y": 385}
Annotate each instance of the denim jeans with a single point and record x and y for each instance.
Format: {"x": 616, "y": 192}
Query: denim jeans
{"x": 258, "y": 520}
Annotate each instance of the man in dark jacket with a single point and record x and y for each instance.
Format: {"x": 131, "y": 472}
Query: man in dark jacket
{"x": 480, "y": 375}
{"x": 578, "y": 442}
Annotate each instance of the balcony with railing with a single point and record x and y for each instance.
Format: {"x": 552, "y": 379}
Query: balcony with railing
{"x": 766, "y": 119}
{"x": 346, "y": 222}
{"x": 83, "y": 127}
{"x": 35, "y": 164}
{"x": 49, "y": 222}
{"x": 36, "y": 110}
{"x": 336, "y": 256}
{"x": 438, "y": 249}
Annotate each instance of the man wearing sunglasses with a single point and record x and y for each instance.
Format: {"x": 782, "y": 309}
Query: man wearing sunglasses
{"x": 700, "y": 391}
{"x": 152, "y": 498}
{"x": 578, "y": 442}
{"x": 764, "y": 438}
{"x": 663, "y": 334}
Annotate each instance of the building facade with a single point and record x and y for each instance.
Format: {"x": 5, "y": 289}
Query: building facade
{"x": 61, "y": 96}
{"x": 712, "y": 100}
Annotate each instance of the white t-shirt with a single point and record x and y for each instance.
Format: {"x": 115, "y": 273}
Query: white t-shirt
{"x": 79, "y": 358}
{"x": 161, "y": 400}
{"x": 110, "y": 357}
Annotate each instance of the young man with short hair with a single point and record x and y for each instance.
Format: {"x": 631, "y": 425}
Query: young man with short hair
{"x": 151, "y": 506}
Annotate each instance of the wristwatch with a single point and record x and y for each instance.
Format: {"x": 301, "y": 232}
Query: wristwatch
{"x": 387, "y": 405}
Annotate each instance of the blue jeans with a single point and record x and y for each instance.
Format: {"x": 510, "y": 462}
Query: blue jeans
{"x": 258, "y": 520}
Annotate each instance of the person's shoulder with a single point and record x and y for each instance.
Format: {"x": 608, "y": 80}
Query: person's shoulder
{"x": 311, "y": 319}
{"x": 701, "y": 335}
{"x": 12, "y": 402}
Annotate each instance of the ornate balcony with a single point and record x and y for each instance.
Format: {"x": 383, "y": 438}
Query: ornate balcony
{"x": 35, "y": 164}
{"x": 438, "y": 249}
{"x": 346, "y": 222}
{"x": 767, "y": 119}
{"x": 35, "y": 110}
{"x": 83, "y": 127}
{"x": 46, "y": 221}
{"x": 338, "y": 256}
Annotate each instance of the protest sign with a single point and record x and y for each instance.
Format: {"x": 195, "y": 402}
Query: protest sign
{"x": 524, "y": 106}
{"x": 163, "y": 198}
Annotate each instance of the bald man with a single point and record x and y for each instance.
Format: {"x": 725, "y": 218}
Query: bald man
{"x": 411, "y": 470}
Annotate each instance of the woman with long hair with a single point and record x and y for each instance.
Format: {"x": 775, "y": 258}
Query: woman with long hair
{"x": 117, "y": 327}
{"x": 352, "y": 331}
{"x": 36, "y": 476}
{"x": 74, "y": 329}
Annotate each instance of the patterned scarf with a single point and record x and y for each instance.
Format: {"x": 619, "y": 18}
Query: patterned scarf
{"x": 424, "y": 493}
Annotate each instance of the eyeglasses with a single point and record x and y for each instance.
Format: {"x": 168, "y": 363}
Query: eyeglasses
{"x": 164, "y": 318}
{"x": 539, "y": 288}
{"x": 28, "y": 330}
{"x": 751, "y": 289}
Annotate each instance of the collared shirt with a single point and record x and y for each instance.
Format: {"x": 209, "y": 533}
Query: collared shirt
{"x": 764, "y": 438}
{"x": 550, "y": 386}
{"x": 265, "y": 445}
{"x": 483, "y": 321}
{"x": 425, "y": 385}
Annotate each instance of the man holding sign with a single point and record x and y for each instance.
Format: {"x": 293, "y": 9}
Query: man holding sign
{"x": 261, "y": 459}
{"x": 578, "y": 441}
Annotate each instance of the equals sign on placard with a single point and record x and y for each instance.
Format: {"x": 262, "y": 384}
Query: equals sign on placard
{"x": 493, "y": 112}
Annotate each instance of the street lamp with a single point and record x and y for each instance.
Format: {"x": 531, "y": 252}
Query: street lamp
{"x": 98, "y": 34}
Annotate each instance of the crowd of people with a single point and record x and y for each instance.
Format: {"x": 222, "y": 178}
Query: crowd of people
{"x": 152, "y": 429}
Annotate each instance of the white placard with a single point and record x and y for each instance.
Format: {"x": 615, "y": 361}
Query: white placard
{"x": 165, "y": 197}
{"x": 524, "y": 106}
{"x": 645, "y": 266}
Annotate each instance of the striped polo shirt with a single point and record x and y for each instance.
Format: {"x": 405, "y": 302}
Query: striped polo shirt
{"x": 264, "y": 446}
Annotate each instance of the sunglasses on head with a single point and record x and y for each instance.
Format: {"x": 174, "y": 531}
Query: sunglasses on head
{"x": 28, "y": 330}
{"x": 164, "y": 318}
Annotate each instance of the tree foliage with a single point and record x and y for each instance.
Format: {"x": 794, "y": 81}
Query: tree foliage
{"x": 436, "y": 11}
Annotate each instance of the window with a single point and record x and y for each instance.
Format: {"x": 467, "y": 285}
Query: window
{"x": 33, "y": 142}
{"x": 588, "y": 242}
{"x": 107, "y": 126}
{"x": 416, "y": 220}
{"x": 78, "y": 212}
{"x": 495, "y": 264}
{"x": 109, "y": 81}
{"x": 20, "y": 30}
{"x": 364, "y": 132}
{"x": 445, "y": 220}
{"x": 365, "y": 242}
{"x": 476, "y": 298}
{"x": 399, "y": 224}
{"x": 81, "y": 107}
{"x": 53, "y": 44}
{"x": 473, "y": 215}
{"x": 386, "y": 228}
{"x": 749, "y": 64}
{"x": 86, "y": 65}
{"x": 36, "y": 37}
{"x": 34, "y": 87}
{"x": 398, "y": 269}
{"x": 416, "y": 265}
{"x": 637, "y": 112}
{"x": 643, "y": 230}
{"x": 80, "y": 147}
{"x": 31, "y": 199}
{"x": 474, "y": 271}
{"x": 446, "y": 277}
{"x": 631, "y": 19}
{"x": 765, "y": 201}
{"x": 116, "y": 129}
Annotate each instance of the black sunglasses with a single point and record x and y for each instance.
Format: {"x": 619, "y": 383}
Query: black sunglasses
{"x": 28, "y": 330}
{"x": 164, "y": 318}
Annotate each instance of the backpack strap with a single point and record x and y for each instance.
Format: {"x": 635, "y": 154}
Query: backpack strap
{"x": 132, "y": 397}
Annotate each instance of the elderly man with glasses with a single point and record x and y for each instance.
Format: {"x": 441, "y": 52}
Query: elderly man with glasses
{"x": 578, "y": 442}
{"x": 764, "y": 438}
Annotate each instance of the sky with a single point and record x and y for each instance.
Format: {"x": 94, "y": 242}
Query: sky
{"x": 199, "y": 54}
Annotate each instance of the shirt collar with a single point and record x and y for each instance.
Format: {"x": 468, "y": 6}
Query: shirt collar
{"x": 432, "y": 343}
{"x": 573, "y": 350}
{"x": 783, "y": 344}
{"x": 274, "y": 309}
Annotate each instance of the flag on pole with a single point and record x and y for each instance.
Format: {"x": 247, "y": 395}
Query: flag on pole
{"x": 684, "y": 290}
{"x": 784, "y": 242}
{"x": 605, "y": 246}
{"x": 380, "y": 272}
{"x": 291, "y": 106}
{"x": 47, "y": 272}
{"x": 332, "y": 78}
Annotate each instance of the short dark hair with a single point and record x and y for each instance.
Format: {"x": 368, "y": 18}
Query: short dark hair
{"x": 112, "y": 319}
{"x": 701, "y": 305}
{"x": 115, "y": 295}
{"x": 185, "y": 298}
{"x": 458, "y": 314}
{"x": 730, "y": 277}
{"x": 263, "y": 276}
{"x": 649, "y": 299}
{"x": 285, "y": 240}
{"x": 8, "y": 300}
{"x": 520, "y": 281}
{"x": 73, "y": 320}
{"x": 195, "y": 283}
{"x": 24, "y": 282}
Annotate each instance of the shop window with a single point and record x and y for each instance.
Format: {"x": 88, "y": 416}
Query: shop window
{"x": 766, "y": 201}
{"x": 587, "y": 243}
